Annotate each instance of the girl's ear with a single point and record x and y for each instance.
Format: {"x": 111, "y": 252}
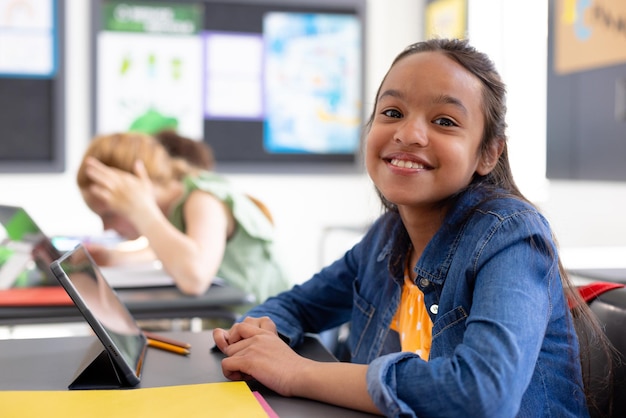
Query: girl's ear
{"x": 490, "y": 157}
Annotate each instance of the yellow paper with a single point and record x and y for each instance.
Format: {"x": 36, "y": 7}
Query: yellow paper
{"x": 226, "y": 399}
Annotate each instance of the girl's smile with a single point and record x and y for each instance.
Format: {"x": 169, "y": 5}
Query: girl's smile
{"x": 406, "y": 162}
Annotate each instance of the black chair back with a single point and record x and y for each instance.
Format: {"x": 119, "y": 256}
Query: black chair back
{"x": 609, "y": 394}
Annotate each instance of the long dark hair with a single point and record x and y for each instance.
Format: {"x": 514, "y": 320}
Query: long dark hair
{"x": 500, "y": 179}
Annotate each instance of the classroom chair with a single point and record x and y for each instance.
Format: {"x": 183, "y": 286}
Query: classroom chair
{"x": 607, "y": 301}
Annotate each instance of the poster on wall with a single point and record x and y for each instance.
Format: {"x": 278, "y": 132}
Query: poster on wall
{"x": 589, "y": 34}
{"x": 28, "y": 38}
{"x": 260, "y": 81}
{"x": 150, "y": 68}
{"x": 299, "y": 79}
{"x": 312, "y": 60}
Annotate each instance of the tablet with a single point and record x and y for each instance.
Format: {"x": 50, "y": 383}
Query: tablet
{"x": 107, "y": 315}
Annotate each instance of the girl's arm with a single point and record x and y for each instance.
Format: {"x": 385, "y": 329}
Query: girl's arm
{"x": 192, "y": 258}
{"x": 123, "y": 253}
{"x": 255, "y": 351}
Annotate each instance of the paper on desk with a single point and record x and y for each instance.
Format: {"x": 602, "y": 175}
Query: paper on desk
{"x": 225, "y": 399}
{"x": 142, "y": 275}
{"x": 148, "y": 274}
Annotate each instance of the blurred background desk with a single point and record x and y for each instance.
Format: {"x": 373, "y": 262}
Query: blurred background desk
{"x": 150, "y": 303}
{"x": 51, "y": 363}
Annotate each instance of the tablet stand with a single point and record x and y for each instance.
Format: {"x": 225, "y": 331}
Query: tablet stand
{"x": 100, "y": 373}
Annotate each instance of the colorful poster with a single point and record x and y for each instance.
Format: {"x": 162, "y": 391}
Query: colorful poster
{"x": 149, "y": 73}
{"x": 588, "y": 34}
{"x": 28, "y": 38}
{"x": 312, "y": 82}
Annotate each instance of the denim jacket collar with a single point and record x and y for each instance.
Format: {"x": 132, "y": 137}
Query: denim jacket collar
{"x": 434, "y": 263}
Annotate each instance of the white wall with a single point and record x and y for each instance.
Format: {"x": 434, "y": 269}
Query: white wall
{"x": 584, "y": 214}
{"x": 587, "y": 216}
{"x": 520, "y": 55}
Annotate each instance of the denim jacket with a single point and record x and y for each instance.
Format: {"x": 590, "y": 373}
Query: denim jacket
{"x": 503, "y": 341}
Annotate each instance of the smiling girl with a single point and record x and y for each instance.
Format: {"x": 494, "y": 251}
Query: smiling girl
{"x": 457, "y": 301}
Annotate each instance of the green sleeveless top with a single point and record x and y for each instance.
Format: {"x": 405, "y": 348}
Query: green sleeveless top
{"x": 249, "y": 262}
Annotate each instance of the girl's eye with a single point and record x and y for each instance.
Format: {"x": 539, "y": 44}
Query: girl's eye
{"x": 392, "y": 113}
{"x": 444, "y": 122}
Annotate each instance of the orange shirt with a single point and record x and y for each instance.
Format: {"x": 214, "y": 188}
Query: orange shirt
{"x": 411, "y": 320}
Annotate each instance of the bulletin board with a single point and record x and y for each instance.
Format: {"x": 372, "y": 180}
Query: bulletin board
{"x": 263, "y": 82}
{"x": 32, "y": 86}
{"x": 586, "y": 91}
{"x": 589, "y": 35}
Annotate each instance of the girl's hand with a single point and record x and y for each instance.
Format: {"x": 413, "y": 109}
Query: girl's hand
{"x": 223, "y": 338}
{"x": 256, "y": 352}
{"x": 128, "y": 194}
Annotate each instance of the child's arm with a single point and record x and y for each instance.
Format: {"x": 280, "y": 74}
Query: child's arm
{"x": 191, "y": 258}
{"x": 255, "y": 351}
{"x": 122, "y": 253}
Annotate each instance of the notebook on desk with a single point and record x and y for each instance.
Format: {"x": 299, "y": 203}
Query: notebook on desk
{"x": 137, "y": 275}
{"x": 142, "y": 275}
{"x": 21, "y": 242}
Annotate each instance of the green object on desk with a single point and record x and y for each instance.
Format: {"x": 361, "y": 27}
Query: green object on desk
{"x": 5, "y": 254}
{"x": 20, "y": 226}
{"x": 22, "y": 280}
{"x": 31, "y": 276}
